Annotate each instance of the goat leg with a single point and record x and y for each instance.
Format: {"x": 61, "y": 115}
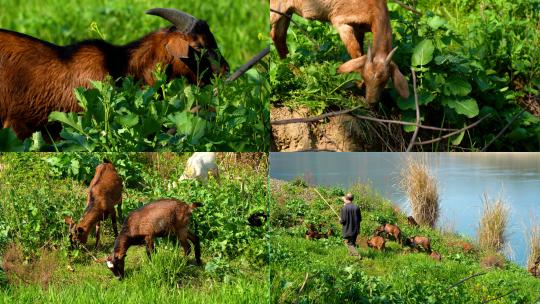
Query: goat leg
{"x": 149, "y": 246}
{"x": 349, "y": 38}
{"x": 196, "y": 242}
{"x": 97, "y": 235}
{"x": 119, "y": 210}
{"x": 113, "y": 220}
{"x": 280, "y": 24}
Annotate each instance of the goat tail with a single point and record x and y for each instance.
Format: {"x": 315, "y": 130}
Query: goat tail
{"x": 106, "y": 161}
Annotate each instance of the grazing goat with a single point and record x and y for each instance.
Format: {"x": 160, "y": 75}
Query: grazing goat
{"x": 37, "y": 77}
{"x": 390, "y": 229}
{"x": 411, "y": 221}
{"x": 198, "y": 166}
{"x": 159, "y": 218}
{"x": 417, "y": 242}
{"x": 313, "y": 233}
{"x": 104, "y": 192}
{"x": 351, "y": 18}
{"x": 376, "y": 242}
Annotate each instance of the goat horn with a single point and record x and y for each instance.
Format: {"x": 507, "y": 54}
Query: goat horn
{"x": 389, "y": 57}
{"x": 184, "y": 22}
{"x": 369, "y": 55}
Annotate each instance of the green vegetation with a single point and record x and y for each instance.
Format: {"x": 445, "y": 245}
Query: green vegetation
{"x": 37, "y": 265}
{"x": 321, "y": 271}
{"x": 472, "y": 59}
{"x": 130, "y": 118}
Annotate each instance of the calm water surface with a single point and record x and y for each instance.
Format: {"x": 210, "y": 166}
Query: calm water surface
{"x": 462, "y": 177}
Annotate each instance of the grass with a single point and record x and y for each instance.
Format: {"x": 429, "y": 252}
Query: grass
{"x": 493, "y": 223}
{"x": 394, "y": 276}
{"x": 421, "y": 189}
{"x": 37, "y": 264}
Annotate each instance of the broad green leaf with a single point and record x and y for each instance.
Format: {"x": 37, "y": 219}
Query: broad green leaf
{"x": 128, "y": 120}
{"x": 456, "y": 140}
{"x": 455, "y": 86}
{"x": 9, "y": 141}
{"x": 436, "y": 22}
{"x": 467, "y": 107}
{"x": 70, "y": 119}
{"x": 423, "y": 53}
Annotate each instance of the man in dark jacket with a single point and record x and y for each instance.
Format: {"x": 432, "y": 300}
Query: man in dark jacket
{"x": 350, "y": 220}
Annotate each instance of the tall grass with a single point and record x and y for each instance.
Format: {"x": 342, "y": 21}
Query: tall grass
{"x": 421, "y": 189}
{"x": 534, "y": 245}
{"x": 492, "y": 227}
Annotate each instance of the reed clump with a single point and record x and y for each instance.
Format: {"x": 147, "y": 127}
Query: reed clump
{"x": 534, "y": 247}
{"x": 493, "y": 223}
{"x": 421, "y": 189}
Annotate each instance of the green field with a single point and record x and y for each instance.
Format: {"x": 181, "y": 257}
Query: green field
{"x": 38, "y": 265}
{"x": 236, "y": 119}
{"x": 321, "y": 271}
{"x": 473, "y": 59}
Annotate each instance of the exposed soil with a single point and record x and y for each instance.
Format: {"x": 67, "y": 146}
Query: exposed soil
{"x": 340, "y": 133}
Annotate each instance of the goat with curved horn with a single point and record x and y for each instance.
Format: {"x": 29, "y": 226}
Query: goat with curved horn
{"x": 184, "y": 22}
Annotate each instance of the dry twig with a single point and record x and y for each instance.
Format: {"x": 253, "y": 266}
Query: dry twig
{"x": 407, "y": 7}
{"x": 417, "y": 107}
{"x": 504, "y": 129}
{"x": 465, "y": 279}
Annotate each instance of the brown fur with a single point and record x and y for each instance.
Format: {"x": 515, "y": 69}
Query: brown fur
{"x": 376, "y": 242}
{"x": 390, "y": 229}
{"x": 314, "y": 233}
{"x": 159, "y": 218}
{"x": 351, "y": 18}
{"x": 419, "y": 242}
{"x": 37, "y": 77}
{"x": 104, "y": 192}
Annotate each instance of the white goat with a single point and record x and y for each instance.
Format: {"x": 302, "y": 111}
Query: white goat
{"x": 198, "y": 166}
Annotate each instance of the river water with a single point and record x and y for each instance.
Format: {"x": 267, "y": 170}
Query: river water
{"x": 462, "y": 178}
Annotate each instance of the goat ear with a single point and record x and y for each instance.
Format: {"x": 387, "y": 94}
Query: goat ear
{"x": 400, "y": 83}
{"x": 178, "y": 48}
{"x": 352, "y": 65}
{"x": 68, "y": 220}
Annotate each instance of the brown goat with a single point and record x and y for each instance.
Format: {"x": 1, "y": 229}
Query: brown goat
{"x": 313, "y": 233}
{"x": 159, "y": 218}
{"x": 390, "y": 229}
{"x": 376, "y": 242}
{"x": 411, "y": 221}
{"x": 351, "y": 18}
{"x": 37, "y": 77}
{"x": 417, "y": 242}
{"x": 104, "y": 192}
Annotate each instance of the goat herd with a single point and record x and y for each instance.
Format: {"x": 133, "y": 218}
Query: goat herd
{"x": 159, "y": 218}
{"x": 378, "y": 242}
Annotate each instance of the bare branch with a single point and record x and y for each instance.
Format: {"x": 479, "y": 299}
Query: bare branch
{"x": 503, "y": 129}
{"x": 504, "y": 295}
{"x": 304, "y": 284}
{"x": 244, "y": 68}
{"x": 465, "y": 279}
{"x": 407, "y": 7}
{"x": 452, "y": 133}
{"x": 313, "y": 118}
{"x": 415, "y": 134}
